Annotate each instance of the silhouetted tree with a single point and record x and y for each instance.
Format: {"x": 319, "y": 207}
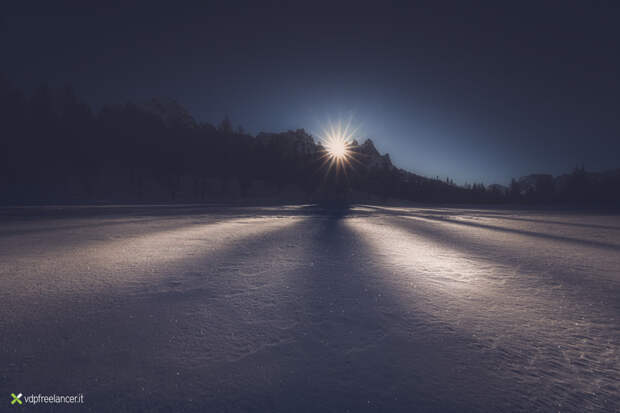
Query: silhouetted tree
{"x": 225, "y": 126}
{"x": 514, "y": 192}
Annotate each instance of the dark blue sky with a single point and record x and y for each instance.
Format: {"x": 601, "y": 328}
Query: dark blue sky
{"x": 474, "y": 91}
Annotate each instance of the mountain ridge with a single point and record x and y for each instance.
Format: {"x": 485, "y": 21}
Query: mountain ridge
{"x": 56, "y": 149}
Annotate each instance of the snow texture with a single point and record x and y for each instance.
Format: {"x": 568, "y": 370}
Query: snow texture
{"x": 304, "y": 309}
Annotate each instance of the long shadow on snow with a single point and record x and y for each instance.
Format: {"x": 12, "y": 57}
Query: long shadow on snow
{"x": 146, "y": 215}
{"x": 506, "y": 255}
{"x": 361, "y": 348}
{"x": 548, "y": 221}
{"x": 502, "y": 213}
{"x": 443, "y": 218}
{"x": 598, "y": 369}
{"x": 130, "y": 345}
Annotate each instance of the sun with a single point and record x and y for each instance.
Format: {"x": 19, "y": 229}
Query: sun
{"x": 337, "y": 140}
{"x": 337, "y": 147}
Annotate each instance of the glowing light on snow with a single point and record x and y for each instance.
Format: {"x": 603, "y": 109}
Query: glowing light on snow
{"x": 135, "y": 261}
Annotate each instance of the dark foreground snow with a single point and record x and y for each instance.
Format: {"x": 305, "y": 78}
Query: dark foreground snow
{"x": 303, "y": 309}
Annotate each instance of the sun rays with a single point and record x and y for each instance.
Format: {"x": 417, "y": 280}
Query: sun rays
{"x": 337, "y": 140}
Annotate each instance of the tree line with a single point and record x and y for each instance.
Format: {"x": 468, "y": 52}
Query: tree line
{"x": 55, "y": 148}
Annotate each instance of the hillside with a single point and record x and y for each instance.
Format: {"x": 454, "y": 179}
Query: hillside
{"x": 157, "y": 152}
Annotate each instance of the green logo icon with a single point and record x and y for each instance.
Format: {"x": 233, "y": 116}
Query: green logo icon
{"x": 16, "y": 398}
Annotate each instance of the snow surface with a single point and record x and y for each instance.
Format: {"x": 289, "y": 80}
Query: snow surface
{"x": 304, "y": 309}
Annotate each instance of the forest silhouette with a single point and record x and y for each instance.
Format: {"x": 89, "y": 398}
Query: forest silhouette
{"x": 57, "y": 149}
